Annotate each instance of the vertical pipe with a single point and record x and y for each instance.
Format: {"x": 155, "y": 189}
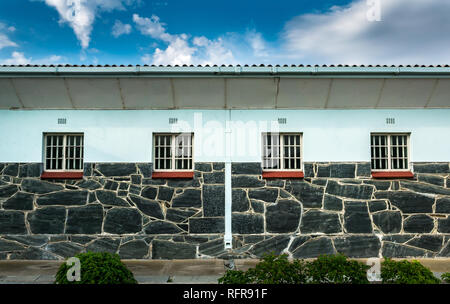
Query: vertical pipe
{"x": 228, "y": 192}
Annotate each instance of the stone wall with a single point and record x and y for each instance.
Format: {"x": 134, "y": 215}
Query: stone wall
{"x": 119, "y": 208}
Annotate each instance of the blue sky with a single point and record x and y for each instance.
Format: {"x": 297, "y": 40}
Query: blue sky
{"x": 224, "y": 32}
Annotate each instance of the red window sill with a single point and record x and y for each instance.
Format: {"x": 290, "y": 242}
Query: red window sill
{"x": 189, "y": 174}
{"x": 392, "y": 174}
{"x": 62, "y": 175}
{"x": 283, "y": 174}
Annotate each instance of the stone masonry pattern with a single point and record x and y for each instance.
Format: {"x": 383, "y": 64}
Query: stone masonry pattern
{"x": 119, "y": 208}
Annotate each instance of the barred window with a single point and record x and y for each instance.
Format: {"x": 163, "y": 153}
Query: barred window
{"x": 63, "y": 152}
{"x": 173, "y": 151}
{"x": 282, "y": 151}
{"x": 389, "y": 151}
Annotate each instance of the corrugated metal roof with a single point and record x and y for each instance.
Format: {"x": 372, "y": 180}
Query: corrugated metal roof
{"x": 238, "y": 65}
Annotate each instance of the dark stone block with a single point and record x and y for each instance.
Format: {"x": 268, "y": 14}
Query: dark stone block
{"x": 165, "y": 194}
{"x": 356, "y": 218}
{"x": 149, "y": 192}
{"x": 273, "y": 245}
{"x": 431, "y": 168}
{"x": 81, "y": 239}
{"x": 30, "y": 170}
{"x": 203, "y": 167}
{"x": 136, "y": 249}
{"x": 213, "y": 200}
{"x": 212, "y": 248}
{"x": 269, "y": 195}
{"x": 136, "y": 179}
{"x": 178, "y": 215}
{"x": 431, "y": 179}
{"x": 331, "y": 202}
{"x": 398, "y": 238}
{"x": 313, "y": 248}
{"x": 85, "y": 220}
{"x": 319, "y": 181}
{"x": 32, "y": 253}
{"x": 239, "y": 202}
{"x": 444, "y": 225}
{"x": 87, "y": 170}
{"x": 419, "y": 223}
{"x": 135, "y": 189}
{"x": 65, "y": 249}
{"x": 362, "y": 192}
{"x": 48, "y": 220}
{"x": 11, "y": 170}
{"x": 20, "y": 201}
{"x": 336, "y": 170}
{"x": 145, "y": 169}
{"x": 32, "y": 240}
{"x": 122, "y": 220}
{"x": 377, "y": 205}
{"x": 111, "y": 185}
{"x": 392, "y": 250}
{"x": 160, "y": 227}
{"x": 379, "y": 185}
{"x": 183, "y": 183}
{"x": 148, "y": 207}
{"x": 443, "y": 205}
{"x": 157, "y": 182}
{"x": 65, "y": 198}
{"x": 116, "y": 169}
{"x": 323, "y": 170}
{"x": 169, "y": 250}
{"x": 363, "y": 170}
{"x": 246, "y": 168}
{"x": 1, "y": 167}
{"x": 424, "y": 188}
{"x": 297, "y": 242}
{"x": 109, "y": 198}
{"x": 103, "y": 245}
{"x": 123, "y": 186}
{"x": 218, "y": 166}
{"x": 8, "y": 191}
{"x": 310, "y": 196}
{"x": 279, "y": 183}
{"x": 308, "y": 169}
{"x": 246, "y": 181}
{"x": 283, "y": 217}
{"x": 445, "y": 252}
{"x": 257, "y": 206}
{"x": 10, "y": 246}
{"x": 189, "y": 198}
{"x": 244, "y": 223}
{"x": 89, "y": 184}
{"x": 428, "y": 242}
{"x": 408, "y": 202}
{"x": 214, "y": 178}
{"x": 358, "y": 246}
{"x": 315, "y": 221}
{"x": 207, "y": 225}
{"x": 395, "y": 185}
{"x": 388, "y": 221}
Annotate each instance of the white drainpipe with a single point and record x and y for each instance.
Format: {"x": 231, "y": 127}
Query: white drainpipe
{"x": 228, "y": 239}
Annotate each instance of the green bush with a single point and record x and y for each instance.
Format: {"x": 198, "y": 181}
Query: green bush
{"x": 98, "y": 268}
{"x": 272, "y": 269}
{"x": 405, "y": 272}
{"x": 337, "y": 269}
{"x": 446, "y": 277}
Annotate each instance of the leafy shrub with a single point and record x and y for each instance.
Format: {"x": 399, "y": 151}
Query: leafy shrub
{"x": 98, "y": 268}
{"x": 272, "y": 269}
{"x": 337, "y": 269}
{"x": 446, "y": 277}
{"x": 405, "y": 272}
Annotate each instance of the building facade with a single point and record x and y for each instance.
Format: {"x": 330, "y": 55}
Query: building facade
{"x": 224, "y": 162}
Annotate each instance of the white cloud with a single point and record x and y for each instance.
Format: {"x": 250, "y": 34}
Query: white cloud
{"x": 257, "y": 43}
{"x": 120, "y": 29}
{"x": 181, "y": 49}
{"x": 19, "y": 58}
{"x": 80, "y": 14}
{"x": 4, "y": 39}
{"x": 409, "y": 32}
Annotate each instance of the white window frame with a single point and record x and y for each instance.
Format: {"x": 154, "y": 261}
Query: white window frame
{"x": 64, "y": 152}
{"x": 281, "y": 139}
{"x": 172, "y": 149}
{"x": 408, "y": 147}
